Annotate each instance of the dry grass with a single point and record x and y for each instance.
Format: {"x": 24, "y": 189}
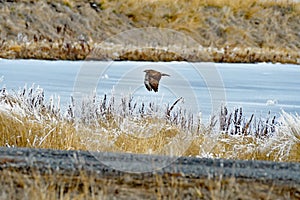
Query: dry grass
{"x": 16, "y": 185}
{"x": 225, "y": 31}
{"x": 28, "y": 120}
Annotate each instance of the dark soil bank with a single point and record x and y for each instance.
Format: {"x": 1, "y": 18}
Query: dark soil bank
{"x": 182, "y": 177}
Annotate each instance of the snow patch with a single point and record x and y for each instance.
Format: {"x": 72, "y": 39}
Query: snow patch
{"x": 271, "y": 102}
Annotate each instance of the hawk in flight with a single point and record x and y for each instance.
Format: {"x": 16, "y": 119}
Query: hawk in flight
{"x": 152, "y": 79}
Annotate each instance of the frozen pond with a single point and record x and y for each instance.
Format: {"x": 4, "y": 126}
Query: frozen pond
{"x": 257, "y": 88}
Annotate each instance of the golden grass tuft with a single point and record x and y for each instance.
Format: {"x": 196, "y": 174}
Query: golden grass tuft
{"x": 20, "y": 131}
{"x": 68, "y": 3}
{"x": 15, "y": 48}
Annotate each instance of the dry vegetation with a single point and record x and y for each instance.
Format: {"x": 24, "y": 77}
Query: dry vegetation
{"x": 226, "y": 30}
{"x": 56, "y": 186}
{"x": 28, "y": 120}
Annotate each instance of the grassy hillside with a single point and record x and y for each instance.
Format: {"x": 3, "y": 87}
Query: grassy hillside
{"x": 226, "y": 30}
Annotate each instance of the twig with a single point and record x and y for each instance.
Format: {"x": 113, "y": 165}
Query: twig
{"x": 172, "y": 107}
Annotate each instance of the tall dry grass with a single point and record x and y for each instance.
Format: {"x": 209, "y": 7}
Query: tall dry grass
{"x": 28, "y": 120}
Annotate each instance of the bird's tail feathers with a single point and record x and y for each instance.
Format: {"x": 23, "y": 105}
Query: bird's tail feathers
{"x": 165, "y": 74}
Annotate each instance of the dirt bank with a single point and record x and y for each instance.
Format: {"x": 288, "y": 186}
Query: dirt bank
{"x": 224, "y": 31}
{"x": 52, "y": 174}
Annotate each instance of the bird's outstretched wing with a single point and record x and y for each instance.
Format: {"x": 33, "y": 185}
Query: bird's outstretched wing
{"x": 152, "y": 79}
{"x": 147, "y": 85}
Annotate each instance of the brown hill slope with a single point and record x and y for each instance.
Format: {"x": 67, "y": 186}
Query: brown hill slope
{"x": 226, "y": 30}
